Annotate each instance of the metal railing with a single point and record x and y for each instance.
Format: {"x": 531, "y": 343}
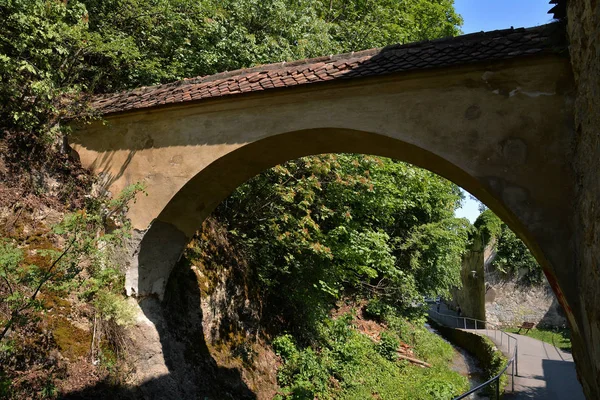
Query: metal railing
{"x": 453, "y": 321}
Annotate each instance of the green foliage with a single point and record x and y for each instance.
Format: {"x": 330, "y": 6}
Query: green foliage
{"x": 497, "y": 361}
{"x": 5, "y": 385}
{"x": 113, "y": 307}
{"x": 53, "y": 51}
{"x": 285, "y": 347}
{"x": 348, "y": 365}
{"x": 388, "y": 346}
{"x": 86, "y": 241}
{"x": 426, "y": 345}
{"x": 494, "y": 364}
{"x": 377, "y": 309}
{"x": 168, "y": 40}
{"x": 318, "y": 227}
{"x": 49, "y": 391}
{"x": 514, "y": 258}
{"x": 489, "y": 226}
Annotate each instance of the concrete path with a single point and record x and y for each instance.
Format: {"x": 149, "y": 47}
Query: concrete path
{"x": 544, "y": 371}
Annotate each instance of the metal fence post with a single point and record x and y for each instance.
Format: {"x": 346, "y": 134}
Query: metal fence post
{"x": 517, "y": 358}
{"x": 498, "y": 388}
{"x": 465, "y": 321}
{"x": 513, "y": 375}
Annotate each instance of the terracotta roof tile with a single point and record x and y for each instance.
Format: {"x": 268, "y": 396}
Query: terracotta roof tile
{"x": 466, "y": 49}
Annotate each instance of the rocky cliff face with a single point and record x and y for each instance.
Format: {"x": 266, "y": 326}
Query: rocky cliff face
{"x": 510, "y": 301}
{"x": 203, "y": 341}
{"x": 584, "y": 37}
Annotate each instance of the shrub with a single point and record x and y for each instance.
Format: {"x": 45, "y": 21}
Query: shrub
{"x": 285, "y": 347}
{"x": 377, "y": 309}
{"x": 114, "y": 307}
{"x": 388, "y": 346}
{"x": 345, "y": 364}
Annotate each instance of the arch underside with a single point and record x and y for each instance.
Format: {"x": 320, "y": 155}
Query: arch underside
{"x": 501, "y": 131}
{"x": 204, "y": 192}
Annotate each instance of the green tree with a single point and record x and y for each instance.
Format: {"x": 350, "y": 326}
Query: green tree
{"x": 51, "y": 48}
{"x": 514, "y": 258}
{"x": 318, "y": 227}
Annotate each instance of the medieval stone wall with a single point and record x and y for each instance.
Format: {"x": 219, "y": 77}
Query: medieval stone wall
{"x": 471, "y": 297}
{"x": 584, "y": 37}
{"x": 508, "y": 303}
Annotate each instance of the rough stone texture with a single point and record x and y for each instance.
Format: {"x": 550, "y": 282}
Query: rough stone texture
{"x": 509, "y": 302}
{"x": 584, "y": 38}
{"x": 155, "y": 253}
{"x": 482, "y": 46}
{"x": 146, "y": 353}
{"x": 471, "y": 297}
{"x": 201, "y": 342}
{"x": 512, "y": 305}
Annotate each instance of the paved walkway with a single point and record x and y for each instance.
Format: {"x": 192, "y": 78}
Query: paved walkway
{"x": 544, "y": 372}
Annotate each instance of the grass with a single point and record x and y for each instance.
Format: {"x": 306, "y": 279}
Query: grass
{"x": 559, "y": 337}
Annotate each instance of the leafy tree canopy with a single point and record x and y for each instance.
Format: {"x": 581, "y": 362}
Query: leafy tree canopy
{"x": 513, "y": 258}
{"x": 321, "y": 226}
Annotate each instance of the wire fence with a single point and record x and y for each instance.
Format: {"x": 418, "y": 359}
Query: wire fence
{"x": 490, "y": 330}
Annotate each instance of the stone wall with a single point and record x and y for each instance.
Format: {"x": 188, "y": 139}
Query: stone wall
{"x": 482, "y": 348}
{"x": 202, "y": 341}
{"x": 471, "y": 297}
{"x": 584, "y": 37}
{"x": 509, "y": 303}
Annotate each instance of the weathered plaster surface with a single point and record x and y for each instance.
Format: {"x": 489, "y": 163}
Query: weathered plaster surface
{"x": 584, "y": 38}
{"x": 462, "y": 123}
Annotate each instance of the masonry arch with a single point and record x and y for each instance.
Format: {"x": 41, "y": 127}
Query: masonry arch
{"x": 500, "y": 131}
{"x": 164, "y": 241}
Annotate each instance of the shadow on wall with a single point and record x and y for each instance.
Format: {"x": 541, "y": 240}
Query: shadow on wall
{"x": 193, "y": 372}
{"x": 555, "y": 316}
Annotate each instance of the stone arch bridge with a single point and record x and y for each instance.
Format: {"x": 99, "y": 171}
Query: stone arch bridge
{"x": 493, "y": 112}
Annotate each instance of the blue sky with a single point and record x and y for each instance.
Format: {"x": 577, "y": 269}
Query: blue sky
{"x": 489, "y": 15}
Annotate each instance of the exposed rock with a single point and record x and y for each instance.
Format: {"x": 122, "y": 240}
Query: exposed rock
{"x": 146, "y": 352}
{"x": 202, "y": 341}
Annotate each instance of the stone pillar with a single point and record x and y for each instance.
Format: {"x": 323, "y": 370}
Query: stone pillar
{"x": 471, "y": 297}
{"x": 157, "y": 250}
